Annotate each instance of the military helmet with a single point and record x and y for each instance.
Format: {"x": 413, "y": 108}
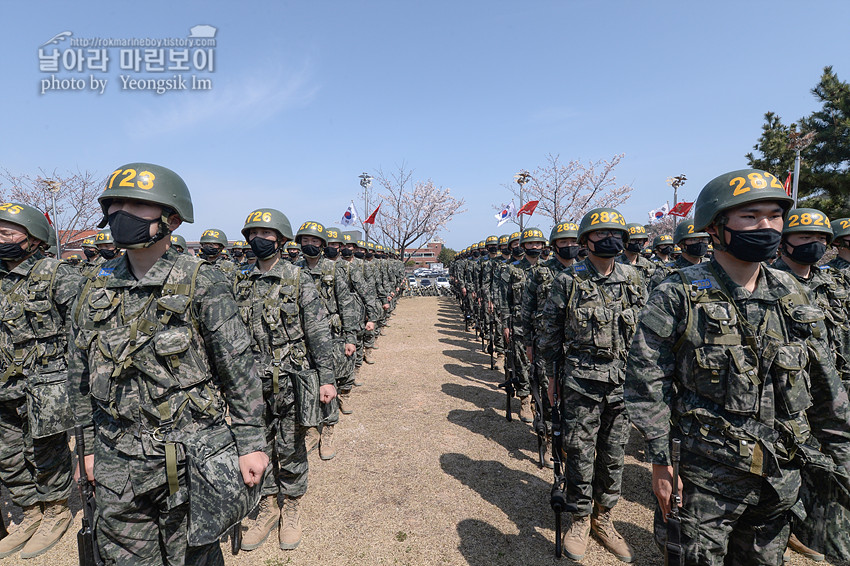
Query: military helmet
{"x": 513, "y": 237}
{"x": 74, "y": 256}
{"x": 149, "y": 183}
{"x": 603, "y": 219}
{"x": 637, "y": 231}
{"x": 491, "y": 241}
{"x": 291, "y": 245}
{"x": 370, "y": 246}
{"x": 179, "y": 241}
{"x": 88, "y": 243}
{"x": 349, "y": 237}
{"x": 808, "y": 220}
{"x": 334, "y": 235}
{"x": 214, "y": 236}
{"x": 840, "y": 228}
{"x": 31, "y": 219}
{"x": 104, "y": 237}
{"x": 532, "y": 235}
{"x": 662, "y": 240}
{"x": 268, "y": 218}
{"x": 51, "y": 239}
{"x": 360, "y": 244}
{"x": 563, "y": 230}
{"x": 311, "y": 228}
{"x": 735, "y": 188}
{"x": 503, "y": 239}
{"x": 685, "y": 230}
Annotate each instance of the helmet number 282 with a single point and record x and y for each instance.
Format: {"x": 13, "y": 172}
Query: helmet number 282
{"x": 755, "y": 180}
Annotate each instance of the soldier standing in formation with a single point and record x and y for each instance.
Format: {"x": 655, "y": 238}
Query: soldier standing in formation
{"x": 632, "y": 253}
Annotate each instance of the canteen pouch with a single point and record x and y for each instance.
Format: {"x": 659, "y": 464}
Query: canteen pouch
{"x": 218, "y": 498}
{"x": 306, "y": 385}
{"x": 48, "y": 406}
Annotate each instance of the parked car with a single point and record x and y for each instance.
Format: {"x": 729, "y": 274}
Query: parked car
{"x": 412, "y": 282}
{"x": 442, "y": 282}
{"x": 425, "y": 283}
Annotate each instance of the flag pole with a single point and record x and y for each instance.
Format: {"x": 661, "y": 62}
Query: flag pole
{"x": 676, "y": 182}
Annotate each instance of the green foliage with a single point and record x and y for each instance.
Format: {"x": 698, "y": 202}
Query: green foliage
{"x": 401, "y": 536}
{"x": 446, "y": 256}
{"x": 825, "y": 165}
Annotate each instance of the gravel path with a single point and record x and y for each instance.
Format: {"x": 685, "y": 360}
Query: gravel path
{"x": 428, "y": 472}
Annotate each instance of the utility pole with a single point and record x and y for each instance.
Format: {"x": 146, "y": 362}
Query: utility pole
{"x": 798, "y": 142}
{"x": 365, "y": 182}
{"x": 676, "y": 182}
{"x": 521, "y": 179}
{"x": 55, "y": 187}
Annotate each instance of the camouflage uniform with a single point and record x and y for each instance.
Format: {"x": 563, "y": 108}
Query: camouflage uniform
{"x": 728, "y": 372}
{"x": 141, "y": 383}
{"x": 645, "y": 267}
{"x": 664, "y": 270}
{"x": 587, "y": 324}
{"x": 365, "y": 303}
{"x": 513, "y": 284}
{"x": 291, "y": 340}
{"x": 35, "y": 462}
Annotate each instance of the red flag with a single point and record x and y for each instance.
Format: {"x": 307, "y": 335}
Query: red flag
{"x": 49, "y": 221}
{"x": 528, "y": 208}
{"x": 788, "y": 188}
{"x": 681, "y": 209}
{"x": 371, "y": 219}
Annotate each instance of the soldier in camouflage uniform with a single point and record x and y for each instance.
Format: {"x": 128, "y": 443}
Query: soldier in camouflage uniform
{"x": 730, "y": 357}
{"x": 291, "y": 252}
{"x": 632, "y": 254}
{"x": 510, "y": 311}
{"x": 74, "y": 260}
{"x": 160, "y": 357}
{"x": 213, "y": 247}
{"x": 662, "y": 248}
{"x": 237, "y": 253}
{"x": 35, "y": 463}
{"x": 805, "y": 237}
{"x": 291, "y": 341}
{"x": 695, "y": 246}
{"x": 365, "y": 297}
{"x": 90, "y": 252}
{"x": 485, "y": 285}
{"x": 564, "y": 239}
{"x": 105, "y": 248}
{"x": 495, "y": 306}
{"x": 588, "y": 321}
{"x": 178, "y": 243}
{"x": 331, "y": 281}
{"x": 371, "y": 275}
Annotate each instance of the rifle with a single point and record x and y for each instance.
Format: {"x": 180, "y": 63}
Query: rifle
{"x": 86, "y": 539}
{"x": 3, "y": 531}
{"x": 558, "y": 496}
{"x": 236, "y": 538}
{"x": 673, "y": 547}
{"x": 511, "y": 382}
{"x": 539, "y": 424}
{"x": 491, "y": 346}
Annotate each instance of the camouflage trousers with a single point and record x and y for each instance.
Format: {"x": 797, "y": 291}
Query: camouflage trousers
{"x": 540, "y": 381}
{"x": 139, "y": 525}
{"x": 32, "y": 469}
{"x": 595, "y": 436}
{"x": 491, "y": 324}
{"x": 718, "y": 531}
{"x": 344, "y": 372}
{"x": 827, "y": 525}
{"x": 361, "y": 348}
{"x": 285, "y": 447}
{"x": 521, "y": 365}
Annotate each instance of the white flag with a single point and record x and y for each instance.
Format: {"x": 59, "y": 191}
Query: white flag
{"x": 507, "y": 213}
{"x": 350, "y": 216}
{"x": 659, "y": 213}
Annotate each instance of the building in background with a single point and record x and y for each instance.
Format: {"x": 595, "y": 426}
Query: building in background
{"x": 425, "y": 256}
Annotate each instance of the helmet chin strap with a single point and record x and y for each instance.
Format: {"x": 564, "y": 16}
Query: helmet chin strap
{"x": 719, "y": 224}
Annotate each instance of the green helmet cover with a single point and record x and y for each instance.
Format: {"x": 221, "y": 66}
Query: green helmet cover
{"x": 603, "y": 219}
{"x": 268, "y": 218}
{"x": 311, "y": 228}
{"x": 563, "y": 230}
{"x": 734, "y": 189}
{"x": 31, "y": 219}
{"x": 808, "y": 220}
{"x": 685, "y": 230}
{"x": 214, "y": 236}
{"x": 530, "y": 235}
{"x": 148, "y": 183}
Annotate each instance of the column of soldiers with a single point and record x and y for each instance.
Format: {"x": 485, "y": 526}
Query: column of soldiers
{"x": 146, "y": 349}
{"x": 730, "y": 339}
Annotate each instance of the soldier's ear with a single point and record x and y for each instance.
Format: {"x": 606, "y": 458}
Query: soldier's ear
{"x": 174, "y": 222}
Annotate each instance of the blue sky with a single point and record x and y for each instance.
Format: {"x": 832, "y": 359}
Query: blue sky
{"x": 306, "y": 95}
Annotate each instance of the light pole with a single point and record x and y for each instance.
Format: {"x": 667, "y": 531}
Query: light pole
{"x": 798, "y": 142}
{"x": 54, "y": 189}
{"x": 521, "y": 179}
{"x": 365, "y": 182}
{"x": 676, "y": 182}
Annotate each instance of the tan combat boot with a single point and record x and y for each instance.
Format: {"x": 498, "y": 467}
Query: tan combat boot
{"x": 525, "y": 414}
{"x": 575, "y": 539}
{"x": 326, "y": 445}
{"x": 547, "y": 453}
{"x": 16, "y": 540}
{"x": 498, "y": 361}
{"x": 800, "y": 548}
{"x": 311, "y": 439}
{"x": 357, "y": 380}
{"x": 344, "y": 401}
{"x": 367, "y": 356}
{"x": 258, "y": 529}
{"x": 607, "y": 535}
{"x": 54, "y": 522}
{"x": 290, "y": 523}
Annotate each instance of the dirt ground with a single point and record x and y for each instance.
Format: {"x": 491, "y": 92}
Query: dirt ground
{"x": 428, "y": 471}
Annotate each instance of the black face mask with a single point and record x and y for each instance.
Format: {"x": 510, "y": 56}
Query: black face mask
{"x": 370, "y": 255}
{"x": 129, "y": 229}
{"x": 607, "y": 247}
{"x": 697, "y": 250}
{"x": 568, "y": 252}
{"x": 74, "y": 262}
{"x": 359, "y": 255}
{"x": 582, "y": 253}
{"x": 475, "y": 254}
{"x": 346, "y": 252}
{"x": 237, "y": 254}
{"x": 208, "y": 250}
{"x": 262, "y": 248}
{"x": 249, "y": 254}
{"x": 107, "y": 254}
{"x": 665, "y": 250}
{"x": 517, "y": 251}
{"x": 753, "y": 245}
{"x": 292, "y": 255}
{"x": 90, "y": 253}
{"x": 12, "y": 252}
{"x": 331, "y": 252}
{"x": 807, "y": 254}
{"x": 492, "y": 249}
{"x": 311, "y": 251}
{"x": 533, "y": 253}
{"x": 545, "y": 254}
{"x": 634, "y": 247}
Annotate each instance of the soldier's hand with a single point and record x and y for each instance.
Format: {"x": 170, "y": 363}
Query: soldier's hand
{"x": 370, "y": 326}
{"x": 662, "y": 486}
{"x": 463, "y": 291}
{"x": 551, "y": 392}
{"x": 326, "y": 393}
{"x": 529, "y": 351}
{"x": 386, "y": 306}
{"x": 490, "y": 306}
{"x": 349, "y": 350}
{"x": 507, "y": 335}
{"x": 89, "y": 463}
{"x": 252, "y": 467}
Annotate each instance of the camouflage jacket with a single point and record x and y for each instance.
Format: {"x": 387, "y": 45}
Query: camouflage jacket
{"x": 645, "y": 267}
{"x": 366, "y": 301}
{"x": 840, "y": 264}
{"x": 331, "y": 280}
{"x": 225, "y": 266}
{"x": 496, "y": 297}
{"x": 588, "y": 322}
{"x": 90, "y": 268}
{"x": 287, "y": 322}
{"x": 35, "y": 300}
{"x": 665, "y": 270}
{"x": 734, "y": 375}
{"x": 537, "y": 287}
{"x": 512, "y": 286}
{"x": 168, "y": 352}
